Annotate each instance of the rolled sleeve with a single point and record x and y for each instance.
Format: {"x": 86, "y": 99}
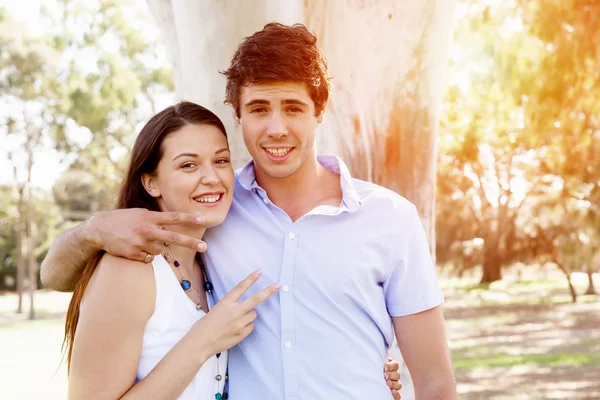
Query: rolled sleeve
{"x": 412, "y": 286}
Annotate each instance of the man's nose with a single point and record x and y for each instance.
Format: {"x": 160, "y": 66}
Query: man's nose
{"x": 277, "y": 127}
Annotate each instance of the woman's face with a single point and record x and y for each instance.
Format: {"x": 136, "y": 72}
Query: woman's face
{"x": 194, "y": 174}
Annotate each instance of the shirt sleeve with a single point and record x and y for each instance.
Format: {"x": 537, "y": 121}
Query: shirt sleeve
{"x": 412, "y": 285}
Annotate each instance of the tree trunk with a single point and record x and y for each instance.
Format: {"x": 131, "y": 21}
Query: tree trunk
{"x": 492, "y": 261}
{"x": 591, "y": 289}
{"x": 387, "y": 59}
{"x": 383, "y": 116}
{"x": 19, "y": 251}
{"x": 558, "y": 260}
{"x": 201, "y": 37}
{"x": 31, "y": 256}
{"x": 491, "y": 270}
{"x": 594, "y": 265}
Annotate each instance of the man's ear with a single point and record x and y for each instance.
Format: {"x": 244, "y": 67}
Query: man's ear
{"x": 321, "y": 114}
{"x": 150, "y": 185}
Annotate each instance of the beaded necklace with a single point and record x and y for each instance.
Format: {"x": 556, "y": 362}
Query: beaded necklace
{"x": 187, "y": 286}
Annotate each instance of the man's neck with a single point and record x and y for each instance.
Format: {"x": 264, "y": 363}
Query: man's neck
{"x": 310, "y": 186}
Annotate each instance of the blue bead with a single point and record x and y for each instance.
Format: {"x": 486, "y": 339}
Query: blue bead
{"x": 208, "y": 286}
{"x": 186, "y": 285}
{"x": 176, "y": 263}
{"x": 218, "y": 396}
{"x": 225, "y": 396}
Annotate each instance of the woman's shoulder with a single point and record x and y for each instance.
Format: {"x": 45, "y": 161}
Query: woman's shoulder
{"x": 122, "y": 280}
{"x": 120, "y": 267}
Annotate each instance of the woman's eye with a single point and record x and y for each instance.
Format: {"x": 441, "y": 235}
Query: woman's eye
{"x": 222, "y": 161}
{"x": 188, "y": 165}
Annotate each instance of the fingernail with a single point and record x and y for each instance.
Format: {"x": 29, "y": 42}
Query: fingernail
{"x": 385, "y": 370}
{"x": 201, "y": 246}
{"x": 277, "y": 286}
{"x": 386, "y": 377}
{"x": 198, "y": 220}
{"x": 258, "y": 272}
{"x": 389, "y": 383}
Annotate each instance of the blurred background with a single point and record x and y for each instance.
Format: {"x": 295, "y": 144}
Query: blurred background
{"x": 485, "y": 114}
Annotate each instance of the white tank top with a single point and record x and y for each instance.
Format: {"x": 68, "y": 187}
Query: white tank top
{"x": 173, "y": 316}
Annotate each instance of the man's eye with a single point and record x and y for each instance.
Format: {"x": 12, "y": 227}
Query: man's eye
{"x": 294, "y": 109}
{"x": 258, "y": 110}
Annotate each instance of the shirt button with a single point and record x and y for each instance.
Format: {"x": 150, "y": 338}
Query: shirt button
{"x": 292, "y": 235}
{"x": 286, "y": 288}
{"x": 288, "y": 345}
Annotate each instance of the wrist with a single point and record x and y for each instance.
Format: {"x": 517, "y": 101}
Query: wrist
{"x": 200, "y": 339}
{"x": 91, "y": 235}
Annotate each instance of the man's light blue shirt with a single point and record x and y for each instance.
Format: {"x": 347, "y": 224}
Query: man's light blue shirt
{"x": 345, "y": 272}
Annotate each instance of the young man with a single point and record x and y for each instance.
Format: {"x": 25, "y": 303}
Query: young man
{"x": 352, "y": 256}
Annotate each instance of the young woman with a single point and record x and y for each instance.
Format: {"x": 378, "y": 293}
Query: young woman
{"x": 139, "y": 332}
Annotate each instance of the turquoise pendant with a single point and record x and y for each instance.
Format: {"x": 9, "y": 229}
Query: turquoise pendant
{"x": 186, "y": 285}
{"x": 218, "y": 396}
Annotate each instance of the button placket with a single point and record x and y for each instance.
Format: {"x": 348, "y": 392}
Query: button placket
{"x": 288, "y": 315}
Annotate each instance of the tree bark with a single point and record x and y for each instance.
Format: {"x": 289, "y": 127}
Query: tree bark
{"x": 387, "y": 58}
{"x": 594, "y": 265}
{"x": 31, "y": 255}
{"x": 491, "y": 270}
{"x": 19, "y": 252}
{"x": 383, "y": 116}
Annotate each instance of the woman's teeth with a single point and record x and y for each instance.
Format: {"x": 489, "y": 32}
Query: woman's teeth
{"x": 278, "y": 152}
{"x": 208, "y": 199}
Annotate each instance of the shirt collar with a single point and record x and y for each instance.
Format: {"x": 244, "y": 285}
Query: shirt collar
{"x": 351, "y": 199}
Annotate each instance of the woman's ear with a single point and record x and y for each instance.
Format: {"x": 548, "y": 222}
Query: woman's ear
{"x": 150, "y": 185}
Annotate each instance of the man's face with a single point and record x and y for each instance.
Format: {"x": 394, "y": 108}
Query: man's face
{"x": 278, "y": 124}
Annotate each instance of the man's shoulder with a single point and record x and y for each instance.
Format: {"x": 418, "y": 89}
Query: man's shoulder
{"x": 382, "y": 197}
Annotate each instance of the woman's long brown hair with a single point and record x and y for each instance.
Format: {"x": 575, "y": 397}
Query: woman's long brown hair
{"x": 147, "y": 152}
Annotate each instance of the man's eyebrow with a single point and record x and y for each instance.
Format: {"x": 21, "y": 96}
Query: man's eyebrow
{"x": 257, "y": 101}
{"x": 293, "y": 101}
{"x": 185, "y": 155}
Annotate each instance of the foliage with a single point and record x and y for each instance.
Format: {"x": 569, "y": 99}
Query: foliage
{"x": 520, "y": 136}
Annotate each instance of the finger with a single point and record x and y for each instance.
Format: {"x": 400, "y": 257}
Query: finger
{"x": 176, "y": 218}
{"x": 393, "y": 376}
{"x": 396, "y": 394}
{"x": 247, "y": 330}
{"x": 257, "y": 298}
{"x": 248, "y": 318}
{"x": 140, "y": 255}
{"x": 170, "y": 237}
{"x": 392, "y": 366}
{"x": 395, "y": 385}
{"x": 243, "y": 286}
{"x": 152, "y": 248}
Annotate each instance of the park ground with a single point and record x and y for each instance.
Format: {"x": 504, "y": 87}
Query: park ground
{"x": 518, "y": 339}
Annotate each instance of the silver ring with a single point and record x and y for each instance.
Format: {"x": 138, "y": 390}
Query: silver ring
{"x": 148, "y": 258}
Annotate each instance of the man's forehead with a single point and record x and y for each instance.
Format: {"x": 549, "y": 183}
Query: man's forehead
{"x": 277, "y": 92}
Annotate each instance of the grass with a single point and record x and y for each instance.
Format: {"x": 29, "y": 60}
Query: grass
{"x": 539, "y": 360}
{"x": 492, "y": 334}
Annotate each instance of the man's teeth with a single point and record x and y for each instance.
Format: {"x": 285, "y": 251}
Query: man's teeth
{"x": 208, "y": 199}
{"x": 279, "y": 152}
